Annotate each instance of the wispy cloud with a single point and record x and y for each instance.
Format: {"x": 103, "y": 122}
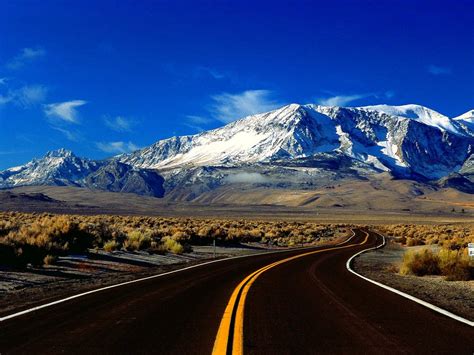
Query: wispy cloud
{"x": 65, "y": 111}
{"x": 197, "y": 122}
{"x": 72, "y": 136}
{"x": 119, "y": 123}
{"x": 117, "y": 147}
{"x": 438, "y": 70}
{"x": 5, "y": 99}
{"x": 213, "y": 73}
{"x": 341, "y": 100}
{"x": 3, "y": 81}
{"x": 25, "y": 96}
{"x": 30, "y": 95}
{"x": 229, "y": 107}
{"x": 25, "y": 56}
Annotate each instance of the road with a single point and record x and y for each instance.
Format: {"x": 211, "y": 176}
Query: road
{"x": 310, "y": 304}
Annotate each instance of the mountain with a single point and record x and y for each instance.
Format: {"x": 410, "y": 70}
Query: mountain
{"x": 295, "y": 147}
{"x": 118, "y": 177}
{"x": 410, "y": 141}
{"x": 466, "y": 121}
{"x": 62, "y": 168}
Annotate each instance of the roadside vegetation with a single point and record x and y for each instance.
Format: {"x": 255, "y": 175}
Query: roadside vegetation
{"x": 442, "y": 250}
{"x": 39, "y": 239}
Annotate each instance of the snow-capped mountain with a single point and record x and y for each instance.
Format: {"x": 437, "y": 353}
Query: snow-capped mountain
{"x": 62, "y": 168}
{"x": 408, "y": 140}
{"x": 466, "y": 121}
{"x": 59, "y": 167}
{"x": 297, "y": 146}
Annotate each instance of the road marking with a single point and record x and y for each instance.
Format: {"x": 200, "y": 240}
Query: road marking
{"x": 403, "y": 294}
{"x": 33, "y": 309}
{"x": 232, "y": 322}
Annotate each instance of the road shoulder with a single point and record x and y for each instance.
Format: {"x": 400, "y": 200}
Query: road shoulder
{"x": 382, "y": 265}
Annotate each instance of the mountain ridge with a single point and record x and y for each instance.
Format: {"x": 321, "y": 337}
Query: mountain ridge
{"x": 294, "y": 145}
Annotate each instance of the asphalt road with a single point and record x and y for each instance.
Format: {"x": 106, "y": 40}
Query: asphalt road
{"x": 307, "y": 305}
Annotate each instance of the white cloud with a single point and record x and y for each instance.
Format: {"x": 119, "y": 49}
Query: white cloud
{"x": 3, "y": 81}
{"x": 247, "y": 178}
{"x": 342, "y": 100}
{"x": 197, "y": 122}
{"x": 26, "y": 55}
{"x": 116, "y": 147}
{"x": 229, "y": 107}
{"x": 198, "y": 119}
{"x": 119, "y": 123}
{"x": 213, "y": 73}
{"x": 30, "y": 95}
{"x": 25, "y": 96}
{"x": 5, "y": 99}
{"x": 438, "y": 70}
{"x": 67, "y": 133}
{"x": 65, "y": 111}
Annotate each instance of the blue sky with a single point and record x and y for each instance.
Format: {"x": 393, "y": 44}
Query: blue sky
{"x": 101, "y": 79}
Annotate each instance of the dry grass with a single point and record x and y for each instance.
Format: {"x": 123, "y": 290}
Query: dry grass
{"x": 30, "y": 238}
{"x": 451, "y": 258}
{"x": 420, "y": 263}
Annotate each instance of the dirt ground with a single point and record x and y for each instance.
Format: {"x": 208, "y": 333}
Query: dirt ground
{"x": 382, "y": 265}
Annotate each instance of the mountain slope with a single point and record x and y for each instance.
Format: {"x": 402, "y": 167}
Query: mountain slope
{"x": 284, "y": 133}
{"x": 119, "y": 177}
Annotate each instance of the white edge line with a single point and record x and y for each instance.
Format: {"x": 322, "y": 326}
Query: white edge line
{"x": 347, "y": 240}
{"x": 29, "y": 310}
{"x": 403, "y": 294}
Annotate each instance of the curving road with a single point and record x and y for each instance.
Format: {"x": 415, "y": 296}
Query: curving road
{"x": 305, "y": 305}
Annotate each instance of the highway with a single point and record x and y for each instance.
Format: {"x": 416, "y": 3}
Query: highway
{"x": 283, "y": 303}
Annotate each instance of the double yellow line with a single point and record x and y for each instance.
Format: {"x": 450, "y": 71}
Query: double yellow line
{"x": 230, "y": 336}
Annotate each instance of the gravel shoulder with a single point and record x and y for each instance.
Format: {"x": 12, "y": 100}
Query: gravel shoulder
{"x": 382, "y": 265}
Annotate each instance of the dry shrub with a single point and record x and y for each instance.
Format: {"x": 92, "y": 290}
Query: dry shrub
{"x": 420, "y": 263}
{"x": 172, "y": 245}
{"x": 137, "y": 240}
{"x": 455, "y": 265}
{"x": 450, "y": 236}
{"x": 111, "y": 245}
{"x": 30, "y": 237}
{"x": 49, "y": 259}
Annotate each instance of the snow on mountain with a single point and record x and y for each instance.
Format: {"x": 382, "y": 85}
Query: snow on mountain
{"x": 468, "y": 117}
{"x": 62, "y": 168}
{"x": 407, "y": 140}
{"x": 418, "y": 113}
{"x": 466, "y": 121}
{"x": 58, "y": 167}
{"x": 296, "y": 142}
{"x": 287, "y": 132}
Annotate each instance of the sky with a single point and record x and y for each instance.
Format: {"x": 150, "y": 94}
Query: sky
{"x": 107, "y": 77}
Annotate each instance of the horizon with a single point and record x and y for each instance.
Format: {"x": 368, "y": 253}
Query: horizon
{"x": 135, "y": 74}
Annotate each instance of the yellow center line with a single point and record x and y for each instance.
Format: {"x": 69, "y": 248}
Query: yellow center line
{"x": 221, "y": 342}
